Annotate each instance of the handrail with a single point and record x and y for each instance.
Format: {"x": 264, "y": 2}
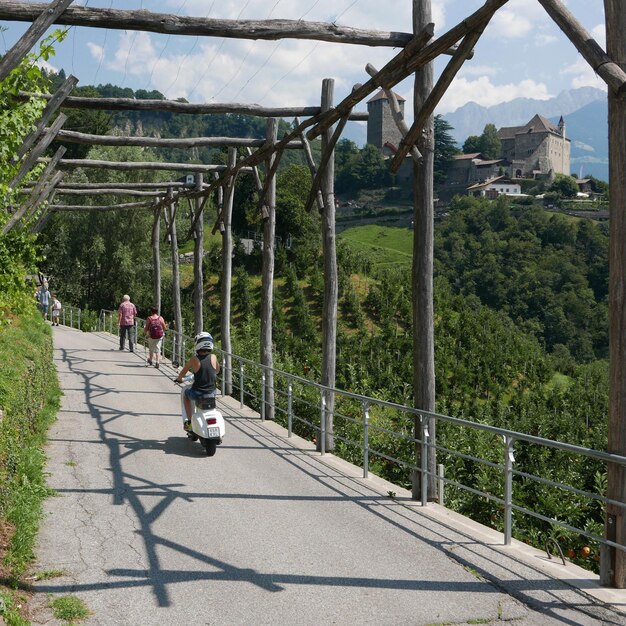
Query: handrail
{"x": 310, "y": 412}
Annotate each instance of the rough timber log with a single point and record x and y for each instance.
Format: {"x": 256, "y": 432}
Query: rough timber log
{"x": 201, "y": 26}
{"x": 47, "y": 15}
{"x": 610, "y": 72}
{"x": 70, "y": 136}
{"x": 414, "y": 56}
{"x": 190, "y": 108}
{"x": 139, "y": 165}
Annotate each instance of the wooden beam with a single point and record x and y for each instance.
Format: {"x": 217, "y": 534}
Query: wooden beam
{"x": 415, "y": 56}
{"x": 123, "y": 186}
{"x": 65, "y": 191}
{"x": 70, "y": 136}
{"x": 610, "y": 72}
{"x": 37, "y": 192}
{"x": 46, "y": 16}
{"x": 436, "y": 93}
{"x": 139, "y": 165}
{"x": 396, "y": 113}
{"x": 53, "y": 104}
{"x": 169, "y": 24}
{"x": 190, "y": 108}
{"x": 106, "y": 207}
{"x": 308, "y": 153}
{"x": 38, "y": 150}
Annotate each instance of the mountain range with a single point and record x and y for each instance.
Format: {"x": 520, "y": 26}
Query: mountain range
{"x": 584, "y": 111}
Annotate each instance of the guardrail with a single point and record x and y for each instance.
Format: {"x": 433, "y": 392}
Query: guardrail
{"x": 369, "y": 430}
{"x": 69, "y": 316}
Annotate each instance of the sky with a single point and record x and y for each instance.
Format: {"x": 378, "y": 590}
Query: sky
{"x": 521, "y": 53}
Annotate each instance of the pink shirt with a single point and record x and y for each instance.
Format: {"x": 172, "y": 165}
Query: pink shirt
{"x": 127, "y": 313}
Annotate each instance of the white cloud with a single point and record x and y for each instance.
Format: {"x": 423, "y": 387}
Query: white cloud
{"x": 583, "y": 75}
{"x": 478, "y": 70}
{"x": 484, "y": 92}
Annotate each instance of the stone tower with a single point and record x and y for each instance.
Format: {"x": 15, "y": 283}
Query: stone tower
{"x": 381, "y": 128}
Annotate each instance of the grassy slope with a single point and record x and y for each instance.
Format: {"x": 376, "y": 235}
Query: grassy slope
{"x": 384, "y": 245}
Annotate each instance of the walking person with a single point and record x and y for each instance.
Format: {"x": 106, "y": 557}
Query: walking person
{"x": 43, "y": 297}
{"x": 154, "y": 329}
{"x": 126, "y": 314}
{"x": 56, "y": 309}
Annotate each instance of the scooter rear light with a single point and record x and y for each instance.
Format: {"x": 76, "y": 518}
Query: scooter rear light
{"x": 211, "y": 420}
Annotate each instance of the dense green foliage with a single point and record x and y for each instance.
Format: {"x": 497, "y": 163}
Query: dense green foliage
{"x": 488, "y": 143}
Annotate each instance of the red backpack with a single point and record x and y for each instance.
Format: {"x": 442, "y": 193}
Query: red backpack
{"x": 155, "y": 328}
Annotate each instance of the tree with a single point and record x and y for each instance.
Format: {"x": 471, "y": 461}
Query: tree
{"x": 490, "y": 145}
{"x": 445, "y": 149}
{"x": 18, "y": 252}
{"x": 565, "y": 186}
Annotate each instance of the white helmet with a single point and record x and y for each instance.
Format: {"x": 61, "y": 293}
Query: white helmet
{"x": 203, "y": 341}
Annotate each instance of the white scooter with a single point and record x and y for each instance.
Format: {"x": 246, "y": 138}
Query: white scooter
{"x": 207, "y": 423}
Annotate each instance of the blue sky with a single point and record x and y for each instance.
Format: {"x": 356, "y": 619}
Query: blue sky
{"x": 521, "y": 53}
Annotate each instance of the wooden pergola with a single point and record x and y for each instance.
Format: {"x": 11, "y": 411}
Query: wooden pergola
{"x": 418, "y": 50}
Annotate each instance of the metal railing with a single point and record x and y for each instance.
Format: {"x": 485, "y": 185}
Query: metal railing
{"x": 374, "y": 434}
{"x": 69, "y": 316}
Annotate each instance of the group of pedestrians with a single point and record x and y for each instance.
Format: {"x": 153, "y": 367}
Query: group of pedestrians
{"x": 154, "y": 329}
{"x": 48, "y": 303}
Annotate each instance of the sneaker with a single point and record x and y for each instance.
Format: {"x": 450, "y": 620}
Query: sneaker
{"x": 156, "y": 365}
{"x": 149, "y": 361}
{"x": 187, "y": 425}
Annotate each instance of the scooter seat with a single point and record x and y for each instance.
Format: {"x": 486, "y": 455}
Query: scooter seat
{"x": 205, "y": 404}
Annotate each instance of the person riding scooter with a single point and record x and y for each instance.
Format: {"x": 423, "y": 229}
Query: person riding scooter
{"x": 205, "y": 368}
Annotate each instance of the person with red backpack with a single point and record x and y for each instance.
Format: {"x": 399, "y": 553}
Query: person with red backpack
{"x": 154, "y": 330}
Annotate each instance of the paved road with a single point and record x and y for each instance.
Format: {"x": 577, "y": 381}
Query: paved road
{"x": 149, "y": 531}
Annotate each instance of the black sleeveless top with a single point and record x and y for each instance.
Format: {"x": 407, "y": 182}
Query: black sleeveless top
{"x": 204, "y": 378}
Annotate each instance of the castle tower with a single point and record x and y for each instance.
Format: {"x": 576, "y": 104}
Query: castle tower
{"x": 380, "y": 125}
{"x": 564, "y": 167}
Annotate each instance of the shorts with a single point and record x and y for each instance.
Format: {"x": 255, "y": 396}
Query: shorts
{"x": 194, "y": 394}
{"x": 56, "y": 313}
{"x": 154, "y": 345}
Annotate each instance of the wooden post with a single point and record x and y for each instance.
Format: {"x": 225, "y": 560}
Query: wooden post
{"x": 227, "y": 272}
{"x": 422, "y": 272}
{"x": 178, "y": 317}
{"x": 156, "y": 259}
{"x": 198, "y": 255}
{"x": 267, "y": 279}
{"x": 329, "y": 242}
{"x": 47, "y": 17}
{"x": 613, "y": 565}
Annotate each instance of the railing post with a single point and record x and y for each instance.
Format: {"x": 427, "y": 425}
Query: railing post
{"x": 111, "y": 324}
{"x": 63, "y": 312}
{"x": 424, "y": 459}
{"x": 289, "y": 408}
{"x": 509, "y": 459}
{"x": 241, "y": 382}
{"x": 71, "y": 317}
{"x": 366, "y": 439}
{"x": 440, "y": 483}
{"x": 322, "y": 421}
{"x": 79, "y": 319}
{"x": 263, "y": 396}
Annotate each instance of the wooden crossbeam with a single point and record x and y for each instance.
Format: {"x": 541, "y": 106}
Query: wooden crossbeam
{"x": 138, "y": 165}
{"x": 112, "y": 207}
{"x": 189, "y": 108}
{"x": 308, "y": 153}
{"x": 70, "y": 136}
{"x": 50, "y": 109}
{"x": 414, "y": 56}
{"x": 610, "y": 72}
{"x": 42, "y": 145}
{"x": 409, "y": 138}
{"x": 46, "y": 16}
{"x": 169, "y": 24}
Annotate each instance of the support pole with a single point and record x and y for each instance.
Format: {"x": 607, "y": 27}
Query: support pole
{"x": 198, "y": 255}
{"x": 227, "y": 272}
{"x": 422, "y": 272}
{"x": 156, "y": 259}
{"x": 267, "y": 280}
{"x": 178, "y": 317}
{"x": 329, "y": 247}
{"x": 613, "y": 561}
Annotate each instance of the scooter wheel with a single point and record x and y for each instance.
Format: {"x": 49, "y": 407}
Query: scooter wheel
{"x": 210, "y": 446}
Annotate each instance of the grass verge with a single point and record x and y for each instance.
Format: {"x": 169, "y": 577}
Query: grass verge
{"x": 29, "y": 401}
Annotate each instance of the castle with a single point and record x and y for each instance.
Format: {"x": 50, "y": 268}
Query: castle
{"x": 539, "y": 149}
